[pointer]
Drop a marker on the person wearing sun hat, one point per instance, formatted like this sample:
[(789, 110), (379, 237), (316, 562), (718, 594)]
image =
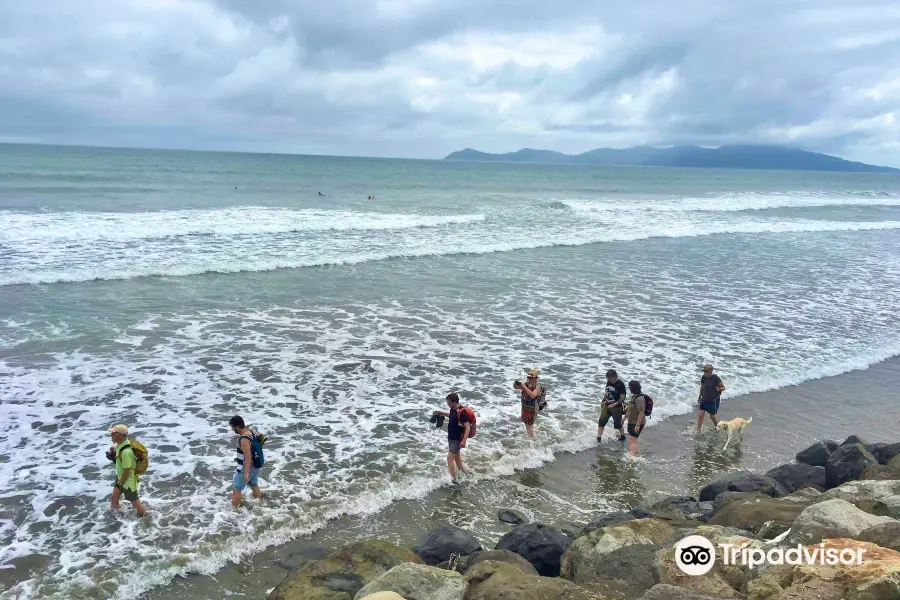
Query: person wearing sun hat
[(126, 474), (531, 392)]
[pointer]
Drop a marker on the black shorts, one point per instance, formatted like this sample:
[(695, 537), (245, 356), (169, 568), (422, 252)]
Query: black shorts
[(130, 495), (606, 412), (632, 432)]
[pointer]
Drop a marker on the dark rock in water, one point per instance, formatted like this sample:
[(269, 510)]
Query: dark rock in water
[(887, 452), (662, 591), (437, 545), (847, 463), (817, 454), (752, 514), (742, 481), (512, 517), (540, 545), (794, 476), (886, 535), (607, 519), (503, 556), (854, 439)]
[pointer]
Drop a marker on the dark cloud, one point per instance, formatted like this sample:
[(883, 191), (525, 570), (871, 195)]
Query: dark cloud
[(424, 77)]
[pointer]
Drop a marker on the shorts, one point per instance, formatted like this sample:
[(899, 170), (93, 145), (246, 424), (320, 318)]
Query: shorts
[(528, 415), (130, 495), (454, 447), (633, 433), (711, 407), (606, 412), (239, 484)]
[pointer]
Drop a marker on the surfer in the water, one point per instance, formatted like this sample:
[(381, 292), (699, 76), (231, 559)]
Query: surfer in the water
[(321, 194)]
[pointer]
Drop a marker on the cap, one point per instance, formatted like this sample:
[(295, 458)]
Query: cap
[(120, 428), (533, 372)]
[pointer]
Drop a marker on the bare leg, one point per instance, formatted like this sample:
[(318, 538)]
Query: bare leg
[(715, 420), (257, 493), (114, 500), (451, 465), (599, 432), (632, 446), (700, 420), (235, 498), (727, 441), (459, 464), (139, 507), (529, 429)]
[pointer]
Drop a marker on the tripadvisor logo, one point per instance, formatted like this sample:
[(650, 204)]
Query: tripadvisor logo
[(695, 555)]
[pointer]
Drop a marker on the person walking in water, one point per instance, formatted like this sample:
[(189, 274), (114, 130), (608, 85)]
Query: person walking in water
[(531, 392), (458, 429), (711, 388), (612, 405), (635, 412), (126, 470), (247, 473)]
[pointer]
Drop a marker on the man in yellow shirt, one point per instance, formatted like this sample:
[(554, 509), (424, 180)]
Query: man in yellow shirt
[(126, 477)]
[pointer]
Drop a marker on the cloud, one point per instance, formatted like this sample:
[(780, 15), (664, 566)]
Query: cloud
[(421, 78)]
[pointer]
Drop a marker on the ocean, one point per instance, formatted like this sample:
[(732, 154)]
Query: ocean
[(170, 290)]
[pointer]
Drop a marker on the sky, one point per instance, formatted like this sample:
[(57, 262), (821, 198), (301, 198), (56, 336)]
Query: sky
[(422, 78)]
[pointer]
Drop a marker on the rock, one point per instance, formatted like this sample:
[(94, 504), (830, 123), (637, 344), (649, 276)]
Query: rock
[(511, 517), (752, 514), (573, 530), (624, 552), (723, 581), (887, 452), (817, 454), (804, 495), (831, 519), (437, 545), (610, 518), (662, 591), (853, 440), (880, 473), (384, 596), (846, 464), (489, 580), (772, 529), (679, 508), (881, 498), (742, 481), (726, 498), (504, 556), (540, 545), (794, 476), (878, 578), (417, 581), (341, 574), (886, 535)]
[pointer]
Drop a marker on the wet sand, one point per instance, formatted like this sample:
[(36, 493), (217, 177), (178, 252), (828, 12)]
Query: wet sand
[(673, 460)]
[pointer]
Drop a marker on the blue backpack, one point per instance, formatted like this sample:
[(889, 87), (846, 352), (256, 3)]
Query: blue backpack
[(256, 449)]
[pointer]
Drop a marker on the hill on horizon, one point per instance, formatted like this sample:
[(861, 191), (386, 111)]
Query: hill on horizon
[(725, 157)]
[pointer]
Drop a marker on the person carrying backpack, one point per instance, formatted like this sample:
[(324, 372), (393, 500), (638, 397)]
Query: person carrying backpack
[(127, 468), (636, 411), (460, 428), (250, 460)]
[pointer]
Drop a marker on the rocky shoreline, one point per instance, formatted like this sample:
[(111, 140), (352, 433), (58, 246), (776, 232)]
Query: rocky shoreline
[(834, 497)]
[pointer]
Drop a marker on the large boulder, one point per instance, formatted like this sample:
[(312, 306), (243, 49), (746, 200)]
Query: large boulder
[(490, 580), (742, 481), (439, 544), (622, 553), (726, 498), (833, 518), (511, 516), (606, 519), (886, 535), (881, 498), (503, 556), (794, 476), (852, 440), (878, 578), (341, 574), (847, 463), (885, 453), (662, 591), (677, 508), (817, 454), (755, 513), (722, 581), (384, 596), (540, 545), (417, 581)]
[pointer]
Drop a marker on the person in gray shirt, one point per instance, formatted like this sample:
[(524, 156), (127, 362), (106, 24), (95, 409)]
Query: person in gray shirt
[(711, 388)]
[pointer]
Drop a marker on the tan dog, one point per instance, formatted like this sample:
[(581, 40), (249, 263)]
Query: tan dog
[(733, 425)]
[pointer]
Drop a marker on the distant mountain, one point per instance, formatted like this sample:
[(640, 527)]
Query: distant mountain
[(725, 157)]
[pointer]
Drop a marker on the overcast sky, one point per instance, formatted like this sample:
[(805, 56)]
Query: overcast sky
[(421, 78)]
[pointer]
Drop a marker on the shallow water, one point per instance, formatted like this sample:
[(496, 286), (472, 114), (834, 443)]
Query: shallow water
[(336, 325)]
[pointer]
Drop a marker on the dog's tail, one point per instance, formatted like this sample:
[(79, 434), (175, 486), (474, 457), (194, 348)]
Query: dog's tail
[(747, 422), (750, 420)]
